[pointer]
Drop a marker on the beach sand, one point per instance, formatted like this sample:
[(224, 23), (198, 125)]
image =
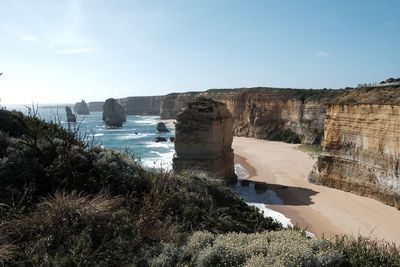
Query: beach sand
[(318, 209)]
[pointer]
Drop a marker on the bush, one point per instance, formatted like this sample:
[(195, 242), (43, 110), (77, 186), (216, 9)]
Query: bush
[(284, 135), (281, 248), (365, 251)]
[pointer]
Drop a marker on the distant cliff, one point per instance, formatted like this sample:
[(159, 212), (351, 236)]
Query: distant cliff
[(291, 115), (142, 105), (362, 144)]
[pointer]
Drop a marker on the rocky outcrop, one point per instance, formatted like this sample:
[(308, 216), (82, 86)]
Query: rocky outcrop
[(203, 139), (291, 115), (113, 113), (162, 128), (81, 108), (70, 116), (362, 144)]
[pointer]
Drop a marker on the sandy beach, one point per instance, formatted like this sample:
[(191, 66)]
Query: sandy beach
[(318, 209)]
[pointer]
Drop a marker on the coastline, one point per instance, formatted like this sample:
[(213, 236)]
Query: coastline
[(321, 210)]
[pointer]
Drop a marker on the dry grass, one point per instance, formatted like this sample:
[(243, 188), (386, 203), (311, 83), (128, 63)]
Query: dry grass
[(6, 253)]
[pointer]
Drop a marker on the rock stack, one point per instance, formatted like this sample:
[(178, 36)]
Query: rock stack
[(113, 113), (70, 116), (81, 108), (204, 139), (162, 128)]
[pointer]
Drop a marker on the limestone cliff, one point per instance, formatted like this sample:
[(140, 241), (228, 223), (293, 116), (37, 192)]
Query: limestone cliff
[(291, 115), (113, 113), (204, 139), (172, 104), (141, 105), (96, 106), (81, 108), (362, 144)]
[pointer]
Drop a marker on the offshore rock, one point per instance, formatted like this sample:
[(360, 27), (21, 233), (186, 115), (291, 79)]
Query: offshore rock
[(162, 128), (203, 139), (70, 116), (362, 144), (81, 108), (113, 113)]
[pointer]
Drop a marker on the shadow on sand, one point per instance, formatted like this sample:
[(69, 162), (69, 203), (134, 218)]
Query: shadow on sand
[(275, 194)]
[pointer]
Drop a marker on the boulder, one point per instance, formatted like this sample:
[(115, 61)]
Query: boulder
[(172, 139), (70, 116), (160, 139), (113, 113), (203, 139), (81, 108), (162, 128)]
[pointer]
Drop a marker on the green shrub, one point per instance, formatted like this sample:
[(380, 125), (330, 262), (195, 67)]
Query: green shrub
[(365, 251), (284, 135), (280, 248)]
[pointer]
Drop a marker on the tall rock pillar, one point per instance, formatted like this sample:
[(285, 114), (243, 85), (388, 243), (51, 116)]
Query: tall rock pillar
[(204, 139)]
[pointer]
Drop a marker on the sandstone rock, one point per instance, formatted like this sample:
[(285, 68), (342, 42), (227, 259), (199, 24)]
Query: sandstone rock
[(161, 127), (362, 145), (113, 113), (204, 138), (70, 116), (265, 113), (160, 139), (82, 108)]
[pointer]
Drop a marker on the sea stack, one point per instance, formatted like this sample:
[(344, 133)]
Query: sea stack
[(162, 128), (70, 116), (113, 113), (204, 139), (81, 108)]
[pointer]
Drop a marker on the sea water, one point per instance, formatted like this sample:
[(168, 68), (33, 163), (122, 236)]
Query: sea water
[(137, 137)]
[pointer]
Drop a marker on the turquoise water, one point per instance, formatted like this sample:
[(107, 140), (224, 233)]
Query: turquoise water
[(136, 135)]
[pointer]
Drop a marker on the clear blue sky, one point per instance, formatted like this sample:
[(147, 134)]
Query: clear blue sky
[(65, 50)]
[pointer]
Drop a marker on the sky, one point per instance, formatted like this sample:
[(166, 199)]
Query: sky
[(61, 51)]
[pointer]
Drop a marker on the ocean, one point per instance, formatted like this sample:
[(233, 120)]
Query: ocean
[(136, 137)]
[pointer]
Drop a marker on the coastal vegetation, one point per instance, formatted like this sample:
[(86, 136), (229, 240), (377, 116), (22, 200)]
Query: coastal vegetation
[(65, 201)]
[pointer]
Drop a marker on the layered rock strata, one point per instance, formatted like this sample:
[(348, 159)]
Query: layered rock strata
[(81, 108), (204, 138), (291, 115), (113, 113), (362, 144)]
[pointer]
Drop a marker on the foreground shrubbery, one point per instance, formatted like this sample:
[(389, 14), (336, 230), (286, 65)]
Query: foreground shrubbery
[(66, 203)]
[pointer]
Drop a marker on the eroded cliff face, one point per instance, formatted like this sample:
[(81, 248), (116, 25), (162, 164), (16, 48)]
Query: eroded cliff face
[(290, 115), (362, 145), (141, 105), (204, 138)]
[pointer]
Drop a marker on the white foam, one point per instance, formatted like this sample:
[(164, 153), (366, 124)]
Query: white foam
[(286, 222), (159, 144), (98, 134), (131, 136), (241, 172)]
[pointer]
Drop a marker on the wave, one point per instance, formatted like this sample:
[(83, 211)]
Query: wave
[(285, 221), (131, 136)]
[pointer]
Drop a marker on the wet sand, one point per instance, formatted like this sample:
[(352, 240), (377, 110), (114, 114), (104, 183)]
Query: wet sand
[(318, 209)]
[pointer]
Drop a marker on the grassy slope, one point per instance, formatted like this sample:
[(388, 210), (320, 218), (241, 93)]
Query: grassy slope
[(66, 203)]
